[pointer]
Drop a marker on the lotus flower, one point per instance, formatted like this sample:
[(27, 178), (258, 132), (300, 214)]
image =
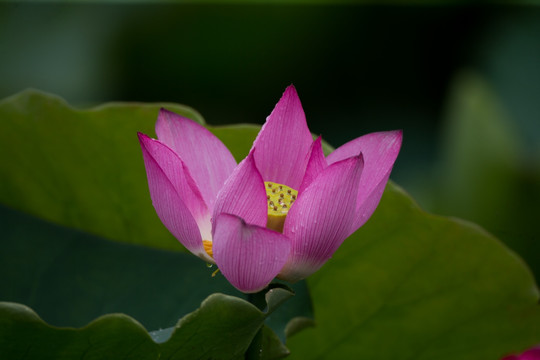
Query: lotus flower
[(283, 211), (531, 354)]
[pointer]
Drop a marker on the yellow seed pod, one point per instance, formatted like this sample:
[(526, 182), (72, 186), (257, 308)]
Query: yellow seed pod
[(280, 199)]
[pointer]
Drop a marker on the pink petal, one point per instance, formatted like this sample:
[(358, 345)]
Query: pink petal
[(249, 256), (243, 194), (209, 161), (320, 219), (283, 142), (316, 164), (175, 197), (531, 354), (380, 151)]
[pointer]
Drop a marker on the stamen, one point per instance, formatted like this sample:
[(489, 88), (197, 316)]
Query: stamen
[(207, 244)]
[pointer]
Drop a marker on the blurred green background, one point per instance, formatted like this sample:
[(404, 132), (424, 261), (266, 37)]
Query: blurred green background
[(463, 82)]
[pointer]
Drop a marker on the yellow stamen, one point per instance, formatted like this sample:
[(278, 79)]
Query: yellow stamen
[(207, 244), (282, 195)]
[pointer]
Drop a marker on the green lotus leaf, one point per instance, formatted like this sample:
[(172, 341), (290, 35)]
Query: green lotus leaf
[(410, 285), (222, 328)]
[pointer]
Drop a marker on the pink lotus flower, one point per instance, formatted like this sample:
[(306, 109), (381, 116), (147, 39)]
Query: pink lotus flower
[(531, 354), (283, 211)]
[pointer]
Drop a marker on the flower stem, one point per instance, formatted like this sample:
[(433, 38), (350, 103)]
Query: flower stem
[(255, 350), (258, 299)]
